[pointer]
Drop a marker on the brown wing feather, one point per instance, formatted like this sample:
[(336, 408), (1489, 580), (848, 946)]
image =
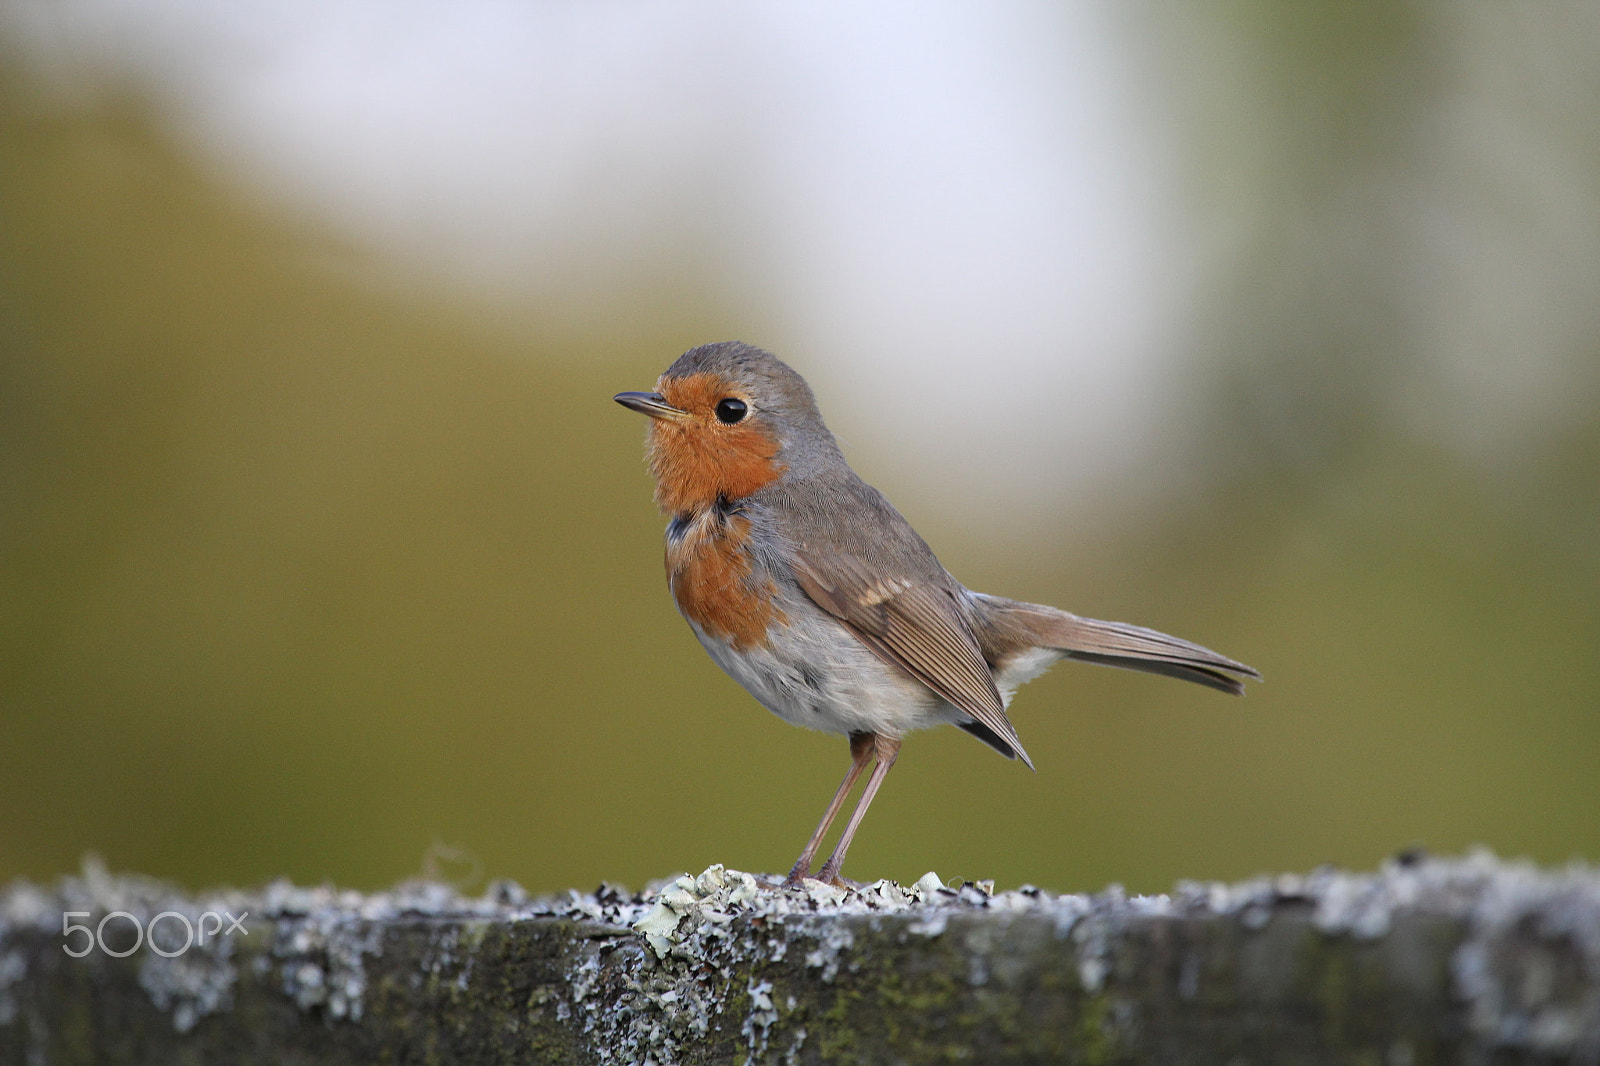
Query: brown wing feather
[(914, 626)]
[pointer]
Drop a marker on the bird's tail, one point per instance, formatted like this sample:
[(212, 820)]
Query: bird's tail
[(1012, 626)]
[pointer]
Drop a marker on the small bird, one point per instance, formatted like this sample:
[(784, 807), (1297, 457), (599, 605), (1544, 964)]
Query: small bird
[(812, 591)]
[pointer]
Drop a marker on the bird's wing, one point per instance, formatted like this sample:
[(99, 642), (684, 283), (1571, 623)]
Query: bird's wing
[(915, 625)]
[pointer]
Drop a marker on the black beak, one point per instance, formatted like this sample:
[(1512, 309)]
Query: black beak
[(650, 403)]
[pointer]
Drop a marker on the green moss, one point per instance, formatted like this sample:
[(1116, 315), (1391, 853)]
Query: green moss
[(1093, 1034), (836, 1035)]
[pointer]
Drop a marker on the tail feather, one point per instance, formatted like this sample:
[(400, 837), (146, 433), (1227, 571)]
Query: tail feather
[(1013, 627)]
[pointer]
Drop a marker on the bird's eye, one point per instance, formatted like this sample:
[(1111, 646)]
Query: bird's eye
[(731, 410)]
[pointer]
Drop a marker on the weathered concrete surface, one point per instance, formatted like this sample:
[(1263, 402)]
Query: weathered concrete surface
[(1426, 961)]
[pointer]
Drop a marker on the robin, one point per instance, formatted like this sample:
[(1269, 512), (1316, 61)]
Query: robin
[(813, 592)]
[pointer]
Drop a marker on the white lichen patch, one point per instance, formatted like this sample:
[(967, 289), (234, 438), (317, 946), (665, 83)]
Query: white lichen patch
[(1506, 979), (706, 935), (320, 943), (323, 937)]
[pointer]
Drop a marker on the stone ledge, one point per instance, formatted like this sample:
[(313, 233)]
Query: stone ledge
[(1427, 960)]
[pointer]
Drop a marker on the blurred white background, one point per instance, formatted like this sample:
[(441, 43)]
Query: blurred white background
[(950, 216)]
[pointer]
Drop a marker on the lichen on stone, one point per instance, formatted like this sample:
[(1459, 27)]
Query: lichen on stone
[(733, 959)]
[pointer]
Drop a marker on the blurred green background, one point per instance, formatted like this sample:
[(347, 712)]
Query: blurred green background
[(314, 562)]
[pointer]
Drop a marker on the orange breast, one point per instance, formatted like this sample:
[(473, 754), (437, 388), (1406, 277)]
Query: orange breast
[(708, 567)]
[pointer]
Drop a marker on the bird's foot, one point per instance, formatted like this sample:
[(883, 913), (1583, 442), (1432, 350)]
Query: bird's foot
[(797, 879), (829, 875), (799, 873)]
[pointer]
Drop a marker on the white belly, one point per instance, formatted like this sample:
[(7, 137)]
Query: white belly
[(823, 678)]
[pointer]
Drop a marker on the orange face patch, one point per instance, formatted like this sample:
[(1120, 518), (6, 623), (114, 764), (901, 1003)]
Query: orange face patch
[(709, 572), (697, 459)]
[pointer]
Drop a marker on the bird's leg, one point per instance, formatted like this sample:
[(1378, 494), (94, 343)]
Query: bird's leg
[(886, 750), (860, 755)]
